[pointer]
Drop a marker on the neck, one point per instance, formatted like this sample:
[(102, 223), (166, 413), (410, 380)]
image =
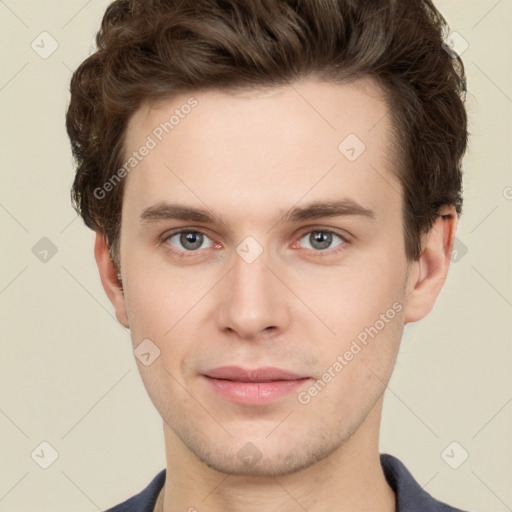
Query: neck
[(350, 478)]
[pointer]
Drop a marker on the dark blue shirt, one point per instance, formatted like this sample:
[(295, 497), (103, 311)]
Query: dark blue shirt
[(410, 496)]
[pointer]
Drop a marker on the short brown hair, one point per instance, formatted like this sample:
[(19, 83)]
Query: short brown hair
[(149, 50)]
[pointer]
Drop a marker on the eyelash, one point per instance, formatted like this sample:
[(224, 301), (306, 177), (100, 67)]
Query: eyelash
[(315, 254)]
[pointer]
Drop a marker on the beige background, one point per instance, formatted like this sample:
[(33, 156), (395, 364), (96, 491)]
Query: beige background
[(67, 373)]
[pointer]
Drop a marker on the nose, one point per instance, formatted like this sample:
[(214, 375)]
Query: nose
[(254, 300)]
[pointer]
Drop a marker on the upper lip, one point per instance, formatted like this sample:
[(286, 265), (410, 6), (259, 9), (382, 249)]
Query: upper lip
[(265, 374)]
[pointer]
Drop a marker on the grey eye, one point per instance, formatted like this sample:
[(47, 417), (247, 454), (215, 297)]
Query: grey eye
[(320, 239), (188, 240)]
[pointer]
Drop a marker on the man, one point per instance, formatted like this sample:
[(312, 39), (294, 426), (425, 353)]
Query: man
[(275, 187)]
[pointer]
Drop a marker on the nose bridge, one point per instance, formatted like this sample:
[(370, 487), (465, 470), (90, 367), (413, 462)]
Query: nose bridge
[(252, 301)]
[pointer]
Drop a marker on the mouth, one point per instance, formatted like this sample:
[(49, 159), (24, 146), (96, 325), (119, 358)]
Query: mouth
[(266, 374), (259, 386)]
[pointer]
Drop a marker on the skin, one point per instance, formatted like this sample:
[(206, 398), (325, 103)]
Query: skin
[(248, 157)]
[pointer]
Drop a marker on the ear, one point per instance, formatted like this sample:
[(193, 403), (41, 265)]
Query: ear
[(109, 278), (431, 269)]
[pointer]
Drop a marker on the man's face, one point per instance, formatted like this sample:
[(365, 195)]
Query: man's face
[(257, 290)]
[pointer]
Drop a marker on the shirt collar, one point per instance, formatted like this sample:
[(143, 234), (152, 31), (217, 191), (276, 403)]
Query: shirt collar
[(410, 496)]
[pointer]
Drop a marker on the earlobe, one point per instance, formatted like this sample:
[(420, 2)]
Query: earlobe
[(432, 267), (110, 278)]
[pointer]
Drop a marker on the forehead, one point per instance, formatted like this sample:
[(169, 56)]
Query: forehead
[(263, 149)]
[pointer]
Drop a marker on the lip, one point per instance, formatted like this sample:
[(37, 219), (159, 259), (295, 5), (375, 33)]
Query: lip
[(265, 374), (258, 386)]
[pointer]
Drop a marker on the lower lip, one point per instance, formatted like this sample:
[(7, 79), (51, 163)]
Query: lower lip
[(254, 393)]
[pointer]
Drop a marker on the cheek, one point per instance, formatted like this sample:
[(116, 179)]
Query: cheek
[(164, 305), (363, 305), (357, 365), (162, 314), (350, 299), (145, 309)]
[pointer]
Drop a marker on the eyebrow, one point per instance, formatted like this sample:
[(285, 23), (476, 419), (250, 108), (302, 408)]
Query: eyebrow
[(315, 210)]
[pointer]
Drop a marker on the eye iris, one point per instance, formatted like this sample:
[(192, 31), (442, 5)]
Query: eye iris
[(323, 240), (194, 239)]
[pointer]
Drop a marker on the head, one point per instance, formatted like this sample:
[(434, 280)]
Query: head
[(264, 114)]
